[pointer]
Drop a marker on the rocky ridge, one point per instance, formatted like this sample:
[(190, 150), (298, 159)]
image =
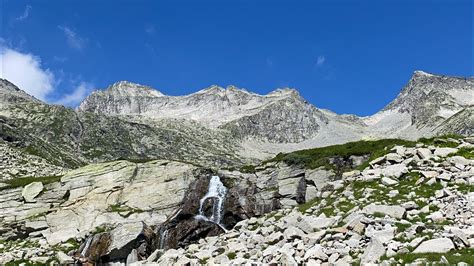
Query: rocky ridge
[(219, 127)]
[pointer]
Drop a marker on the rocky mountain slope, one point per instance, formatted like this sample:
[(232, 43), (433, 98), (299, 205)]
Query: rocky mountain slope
[(426, 104), (385, 203), (219, 127)]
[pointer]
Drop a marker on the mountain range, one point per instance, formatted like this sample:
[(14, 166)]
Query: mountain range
[(218, 126)]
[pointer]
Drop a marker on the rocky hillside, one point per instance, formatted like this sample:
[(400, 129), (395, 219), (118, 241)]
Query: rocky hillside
[(368, 201)]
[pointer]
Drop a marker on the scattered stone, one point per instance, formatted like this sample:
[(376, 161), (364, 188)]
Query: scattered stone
[(393, 211)]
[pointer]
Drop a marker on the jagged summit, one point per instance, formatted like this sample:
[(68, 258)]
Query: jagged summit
[(422, 73), (133, 89), (424, 104)]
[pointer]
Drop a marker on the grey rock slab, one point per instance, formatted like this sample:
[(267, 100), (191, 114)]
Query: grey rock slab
[(319, 177), (460, 160), (31, 191), (438, 245), (394, 157), (293, 232), (444, 151), (396, 170), (373, 252), (388, 181), (424, 153), (392, 211), (429, 174), (315, 252), (64, 258), (122, 236)]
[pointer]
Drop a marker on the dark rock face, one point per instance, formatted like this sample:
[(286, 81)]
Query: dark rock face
[(117, 244), (185, 229), (94, 249)]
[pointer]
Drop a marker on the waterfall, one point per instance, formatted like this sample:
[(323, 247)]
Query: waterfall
[(163, 234), (216, 192), (86, 247)]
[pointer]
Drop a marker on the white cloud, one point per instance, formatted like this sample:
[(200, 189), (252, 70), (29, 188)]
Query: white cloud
[(73, 39), (25, 71), (76, 96), (25, 14), (320, 61)]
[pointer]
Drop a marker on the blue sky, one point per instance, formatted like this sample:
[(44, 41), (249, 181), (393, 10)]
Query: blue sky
[(347, 56)]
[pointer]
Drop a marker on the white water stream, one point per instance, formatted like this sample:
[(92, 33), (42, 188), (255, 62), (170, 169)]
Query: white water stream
[(216, 192)]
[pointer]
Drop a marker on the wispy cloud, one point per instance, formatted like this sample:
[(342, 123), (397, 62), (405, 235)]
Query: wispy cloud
[(150, 30), (321, 60), (25, 15), (25, 71), (269, 62), (77, 95), (73, 39)]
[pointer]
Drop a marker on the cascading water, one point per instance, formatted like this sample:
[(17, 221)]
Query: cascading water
[(216, 192), (86, 247), (163, 235)]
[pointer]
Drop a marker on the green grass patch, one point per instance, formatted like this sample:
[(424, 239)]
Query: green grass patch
[(442, 141), (23, 181), (464, 188), (305, 206), (231, 255), (123, 210), (275, 215), (70, 244), (454, 256), (402, 227), (314, 158), (407, 184), (247, 169), (467, 153), (379, 214)]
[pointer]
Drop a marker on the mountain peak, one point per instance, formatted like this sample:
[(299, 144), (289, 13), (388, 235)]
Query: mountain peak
[(216, 89), (420, 73), (284, 91), (133, 89)]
